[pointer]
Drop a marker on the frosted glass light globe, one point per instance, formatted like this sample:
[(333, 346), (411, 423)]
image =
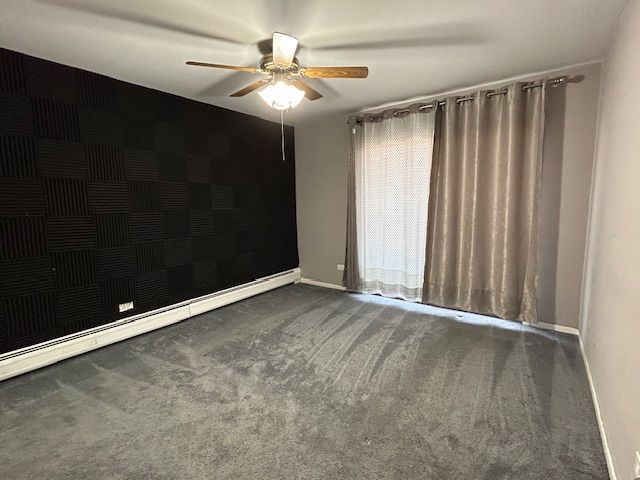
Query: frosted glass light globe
[(281, 95)]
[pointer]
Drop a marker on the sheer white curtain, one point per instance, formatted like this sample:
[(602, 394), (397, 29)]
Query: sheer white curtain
[(392, 174)]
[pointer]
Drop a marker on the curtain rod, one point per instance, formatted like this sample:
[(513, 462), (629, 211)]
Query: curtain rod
[(552, 82)]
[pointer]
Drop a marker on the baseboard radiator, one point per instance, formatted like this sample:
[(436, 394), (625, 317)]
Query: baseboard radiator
[(43, 354)]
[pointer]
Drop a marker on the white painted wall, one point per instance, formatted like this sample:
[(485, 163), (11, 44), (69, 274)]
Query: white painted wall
[(571, 119), (610, 323), (322, 149)]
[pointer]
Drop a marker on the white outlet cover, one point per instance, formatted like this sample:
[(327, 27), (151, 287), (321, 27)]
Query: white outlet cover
[(636, 466), (123, 307), (340, 267)]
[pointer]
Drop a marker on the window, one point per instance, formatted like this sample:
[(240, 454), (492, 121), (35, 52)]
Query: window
[(393, 169)]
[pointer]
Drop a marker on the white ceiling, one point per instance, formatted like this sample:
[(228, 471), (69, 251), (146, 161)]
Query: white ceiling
[(412, 48)]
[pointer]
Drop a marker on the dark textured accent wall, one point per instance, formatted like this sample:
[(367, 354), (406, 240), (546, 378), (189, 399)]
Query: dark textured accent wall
[(112, 192)]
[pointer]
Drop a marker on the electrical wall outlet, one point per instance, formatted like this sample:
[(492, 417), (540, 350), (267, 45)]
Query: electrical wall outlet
[(340, 267), (636, 466), (123, 307)]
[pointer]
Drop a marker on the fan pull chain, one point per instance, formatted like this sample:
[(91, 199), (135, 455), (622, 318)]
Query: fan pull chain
[(282, 132)]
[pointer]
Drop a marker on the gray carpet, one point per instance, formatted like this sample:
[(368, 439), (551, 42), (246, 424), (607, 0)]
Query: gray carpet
[(309, 383)]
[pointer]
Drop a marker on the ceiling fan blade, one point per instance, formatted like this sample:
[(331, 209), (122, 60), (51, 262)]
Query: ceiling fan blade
[(334, 72), (309, 92), (228, 67), (284, 48), (250, 88)]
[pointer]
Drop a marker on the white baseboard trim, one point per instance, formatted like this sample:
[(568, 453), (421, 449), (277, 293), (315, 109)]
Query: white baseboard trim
[(555, 328), (211, 302), (592, 389), (317, 283), (596, 405), (38, 356)]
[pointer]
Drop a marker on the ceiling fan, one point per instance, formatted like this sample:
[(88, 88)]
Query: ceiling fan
[(282, 87)]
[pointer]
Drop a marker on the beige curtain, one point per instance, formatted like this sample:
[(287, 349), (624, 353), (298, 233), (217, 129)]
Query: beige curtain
[(350, 276), (483, 207)]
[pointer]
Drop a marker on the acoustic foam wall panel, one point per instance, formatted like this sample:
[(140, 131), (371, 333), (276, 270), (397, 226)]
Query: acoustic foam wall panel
[(111, 192)]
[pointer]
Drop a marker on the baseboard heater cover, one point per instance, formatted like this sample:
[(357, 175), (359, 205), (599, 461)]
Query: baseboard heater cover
[(37, 356)]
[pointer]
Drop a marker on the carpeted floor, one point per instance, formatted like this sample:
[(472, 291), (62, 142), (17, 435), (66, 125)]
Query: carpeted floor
[(309, 383)]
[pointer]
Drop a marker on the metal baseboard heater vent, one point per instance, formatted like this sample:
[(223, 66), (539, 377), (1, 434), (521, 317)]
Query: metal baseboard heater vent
[(43, 354)]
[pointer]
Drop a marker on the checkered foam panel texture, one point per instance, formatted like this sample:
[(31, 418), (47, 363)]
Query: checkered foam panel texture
[(111, 192)]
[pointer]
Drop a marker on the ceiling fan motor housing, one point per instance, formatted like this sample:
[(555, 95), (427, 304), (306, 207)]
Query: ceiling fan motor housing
[(267, 64)]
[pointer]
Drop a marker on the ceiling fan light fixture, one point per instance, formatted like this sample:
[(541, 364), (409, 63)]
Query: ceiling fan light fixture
[(281, 95), (283, 86)]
